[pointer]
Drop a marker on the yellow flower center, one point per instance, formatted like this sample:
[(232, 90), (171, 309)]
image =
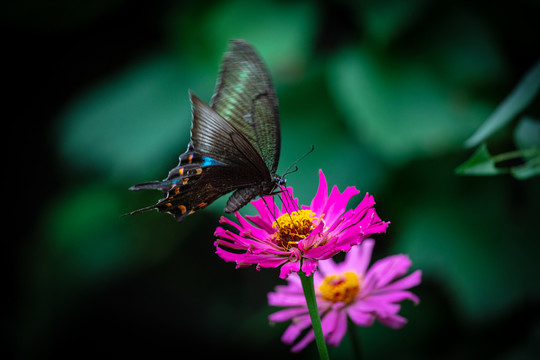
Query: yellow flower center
[(341, 287), (293, 227)]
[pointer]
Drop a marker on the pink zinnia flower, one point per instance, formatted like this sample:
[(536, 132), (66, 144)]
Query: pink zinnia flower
[(348, 289), (296, 239)]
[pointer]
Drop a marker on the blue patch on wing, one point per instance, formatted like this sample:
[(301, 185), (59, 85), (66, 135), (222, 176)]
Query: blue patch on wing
[(206, 161)]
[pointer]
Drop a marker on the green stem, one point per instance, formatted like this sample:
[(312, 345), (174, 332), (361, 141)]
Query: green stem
[(516, 154), (355, 340), (309, 293)]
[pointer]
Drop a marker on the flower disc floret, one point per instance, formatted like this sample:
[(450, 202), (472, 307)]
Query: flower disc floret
[(340, 287), (293, 227)]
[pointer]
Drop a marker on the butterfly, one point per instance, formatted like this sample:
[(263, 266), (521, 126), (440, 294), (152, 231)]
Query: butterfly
[(235, 141)]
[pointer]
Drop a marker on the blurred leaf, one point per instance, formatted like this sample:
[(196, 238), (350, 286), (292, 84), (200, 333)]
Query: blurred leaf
[(282, 32), (308, 118), (527, 133), (512, 105), (528, 170), (527, 138), (292, 24), (465, 50), (480, 163), (132, 124), (399, 108), (385, 20)]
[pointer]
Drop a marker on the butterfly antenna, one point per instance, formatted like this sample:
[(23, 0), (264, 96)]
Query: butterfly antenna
[(288, 171)]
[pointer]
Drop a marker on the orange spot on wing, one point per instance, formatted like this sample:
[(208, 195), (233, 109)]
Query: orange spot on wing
[(182, 208)]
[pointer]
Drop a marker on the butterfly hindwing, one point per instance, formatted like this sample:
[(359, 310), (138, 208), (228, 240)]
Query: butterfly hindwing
[(197, 193), (195, 183)]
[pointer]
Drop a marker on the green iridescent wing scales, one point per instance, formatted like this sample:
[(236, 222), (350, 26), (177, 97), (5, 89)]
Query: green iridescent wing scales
[(245, 97)]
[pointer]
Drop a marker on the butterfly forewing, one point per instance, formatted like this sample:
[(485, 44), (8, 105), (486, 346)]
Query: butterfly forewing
[(216, 138), (245, 97)]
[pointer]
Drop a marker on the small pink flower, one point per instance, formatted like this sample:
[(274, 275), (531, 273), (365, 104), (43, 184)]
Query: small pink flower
[(348, 289), (296, 239)]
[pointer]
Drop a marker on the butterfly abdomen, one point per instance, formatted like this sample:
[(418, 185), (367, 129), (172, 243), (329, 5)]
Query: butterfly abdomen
[(243, 196)]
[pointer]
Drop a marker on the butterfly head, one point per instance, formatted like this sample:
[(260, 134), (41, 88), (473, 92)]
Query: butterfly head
[(279, 180)]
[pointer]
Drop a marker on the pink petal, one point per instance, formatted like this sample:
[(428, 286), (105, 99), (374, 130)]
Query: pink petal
[(319, 201), (310, 336), (288, 268), (337, 202), (387, 269), (294, 330), (339, 329), (265, 219), (406, 282), (309, 266), (393, 321), (293, 287), (394, 297), (262, 222), (290, 203), (247, 229), (359, 316), (358, 258), (286, 299), (382, 309), (287, 314), (328, 267)]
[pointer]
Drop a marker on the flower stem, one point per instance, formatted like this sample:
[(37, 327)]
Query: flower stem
[(309, 293), (355, 340)]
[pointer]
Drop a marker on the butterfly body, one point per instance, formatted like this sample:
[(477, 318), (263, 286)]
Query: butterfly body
[(235, 142)]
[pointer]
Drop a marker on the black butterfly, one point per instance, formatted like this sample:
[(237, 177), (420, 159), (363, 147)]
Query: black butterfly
[(235, 142)]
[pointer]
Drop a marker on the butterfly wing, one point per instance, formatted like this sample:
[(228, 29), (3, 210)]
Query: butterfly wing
[(218, 139), (235, 142), (195, 183), (218, 160), (245, 97)]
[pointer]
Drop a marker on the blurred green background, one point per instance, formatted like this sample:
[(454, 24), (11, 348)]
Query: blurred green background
[(386, 91)]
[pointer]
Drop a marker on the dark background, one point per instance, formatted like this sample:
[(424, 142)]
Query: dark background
[(386, 91)]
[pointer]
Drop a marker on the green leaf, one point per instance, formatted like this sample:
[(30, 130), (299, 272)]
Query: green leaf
[(527, 133), (399, 108), (282, 32), (514, 103), (132, 125), (480, 163), (528, 170), (385, 20)]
